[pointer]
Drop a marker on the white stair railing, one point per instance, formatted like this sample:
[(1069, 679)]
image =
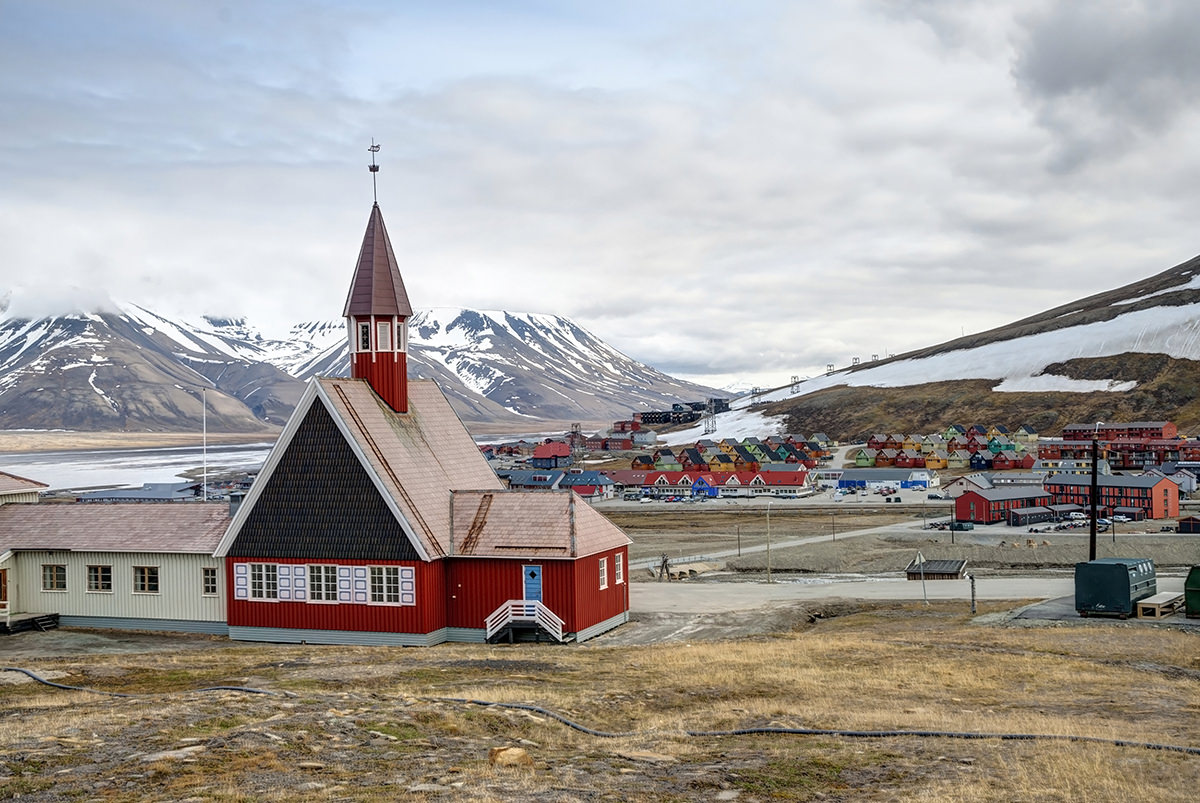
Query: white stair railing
[(524, 610)]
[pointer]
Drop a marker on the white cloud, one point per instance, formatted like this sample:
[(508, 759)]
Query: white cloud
[(724, 192)]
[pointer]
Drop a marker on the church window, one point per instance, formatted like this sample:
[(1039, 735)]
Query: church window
[(364, 337)]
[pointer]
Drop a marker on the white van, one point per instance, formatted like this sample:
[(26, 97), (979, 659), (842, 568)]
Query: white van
[(1076, 515)]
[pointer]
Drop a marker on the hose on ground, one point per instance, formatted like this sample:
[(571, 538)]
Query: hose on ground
[(44, 681), (853, 734)]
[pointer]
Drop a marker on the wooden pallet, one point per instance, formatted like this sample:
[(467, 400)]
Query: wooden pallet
[(1159, 605)]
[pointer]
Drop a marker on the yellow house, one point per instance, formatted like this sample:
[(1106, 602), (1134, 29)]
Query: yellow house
[(936, 459)]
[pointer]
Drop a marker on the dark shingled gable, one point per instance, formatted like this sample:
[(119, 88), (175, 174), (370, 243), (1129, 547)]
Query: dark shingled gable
[(320, 504)]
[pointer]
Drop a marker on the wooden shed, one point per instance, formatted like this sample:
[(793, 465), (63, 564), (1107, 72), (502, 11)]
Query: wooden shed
[(936, 569)]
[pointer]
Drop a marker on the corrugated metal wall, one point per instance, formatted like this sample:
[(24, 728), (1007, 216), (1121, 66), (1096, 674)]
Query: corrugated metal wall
[(593, 604), (478, 586), (428, 615), (180, 582)]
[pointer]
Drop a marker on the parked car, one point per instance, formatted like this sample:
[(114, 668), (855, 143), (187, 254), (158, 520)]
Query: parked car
[(962, 525), (934, 496), (1121, 519), (1076, 515)]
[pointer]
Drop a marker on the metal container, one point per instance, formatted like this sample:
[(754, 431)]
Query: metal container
[(1191, 593), (1113, 586)]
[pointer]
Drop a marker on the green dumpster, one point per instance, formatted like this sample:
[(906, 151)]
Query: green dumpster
[(1113, 586), (1191, 593)]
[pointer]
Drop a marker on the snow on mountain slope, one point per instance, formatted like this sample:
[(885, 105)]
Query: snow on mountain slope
[(1160, 315), (135, 369)]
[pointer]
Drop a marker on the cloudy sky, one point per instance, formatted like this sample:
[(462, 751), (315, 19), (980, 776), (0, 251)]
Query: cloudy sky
[(731, 192)]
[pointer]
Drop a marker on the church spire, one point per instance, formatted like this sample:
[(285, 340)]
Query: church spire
[(377, 311)]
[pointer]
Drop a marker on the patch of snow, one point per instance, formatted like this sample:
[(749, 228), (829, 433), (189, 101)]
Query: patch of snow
[(1052, 382), (1174, 331), (1194, 284)]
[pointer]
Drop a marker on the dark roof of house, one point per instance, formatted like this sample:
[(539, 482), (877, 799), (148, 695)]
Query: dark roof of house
[(149, 492), (377, 288), (1107, 480), (937, 566), (535, 478), (1011, 492), (573, 478)]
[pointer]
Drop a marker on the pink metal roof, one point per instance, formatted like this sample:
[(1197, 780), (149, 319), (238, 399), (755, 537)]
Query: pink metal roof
[(419, 456), (11, 483), (519, 524), (189, 527), (377, 288)]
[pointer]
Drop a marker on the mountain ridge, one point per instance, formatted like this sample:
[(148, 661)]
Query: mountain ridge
[(133, 369), (1124, 354)]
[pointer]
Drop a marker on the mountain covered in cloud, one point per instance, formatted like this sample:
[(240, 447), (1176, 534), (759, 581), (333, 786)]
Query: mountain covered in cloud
[(133, 369), (1128, 354)]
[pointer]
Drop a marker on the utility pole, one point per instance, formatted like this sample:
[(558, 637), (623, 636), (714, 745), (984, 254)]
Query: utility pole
[(1095, 489), (769, 580)]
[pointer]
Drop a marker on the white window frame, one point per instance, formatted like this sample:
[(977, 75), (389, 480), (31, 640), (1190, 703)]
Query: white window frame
[(205, 573), (53, 586), (385, 585), (604, 572), (364, 328), (147, 576), (322, 583), (619, 568), (383, 335), (100, 578), (264, 582)]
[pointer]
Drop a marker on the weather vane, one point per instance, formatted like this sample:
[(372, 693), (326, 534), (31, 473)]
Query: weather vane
[(374, 168)]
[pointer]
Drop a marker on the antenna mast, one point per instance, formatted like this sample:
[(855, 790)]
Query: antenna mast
[(374, 168)]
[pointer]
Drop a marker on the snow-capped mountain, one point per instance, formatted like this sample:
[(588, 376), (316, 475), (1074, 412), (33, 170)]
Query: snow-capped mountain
[(132, 369), (1127, 354)]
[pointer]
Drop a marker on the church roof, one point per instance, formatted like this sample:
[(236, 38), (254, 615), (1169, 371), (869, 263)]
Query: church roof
[(524, 524), (377, 288), (418, 456)]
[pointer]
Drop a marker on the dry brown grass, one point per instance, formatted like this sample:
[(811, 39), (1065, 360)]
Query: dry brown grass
[(374, 721)]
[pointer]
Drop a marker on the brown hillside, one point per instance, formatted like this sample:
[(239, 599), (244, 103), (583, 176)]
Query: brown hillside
[(1167, 389)]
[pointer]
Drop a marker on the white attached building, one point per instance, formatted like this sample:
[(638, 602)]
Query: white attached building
[(135, 567)]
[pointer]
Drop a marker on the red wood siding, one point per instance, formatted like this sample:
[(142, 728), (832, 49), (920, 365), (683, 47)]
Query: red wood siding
[(477, 586), (426, 616), (387, 373), (592, 603), (570, 588)]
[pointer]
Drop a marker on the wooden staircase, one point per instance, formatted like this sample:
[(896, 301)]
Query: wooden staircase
[(523, 620), (21, 622)]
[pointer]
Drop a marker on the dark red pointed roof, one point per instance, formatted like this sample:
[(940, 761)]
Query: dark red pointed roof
[(377, 288)]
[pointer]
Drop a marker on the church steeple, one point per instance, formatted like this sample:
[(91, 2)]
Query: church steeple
[(377, 311)]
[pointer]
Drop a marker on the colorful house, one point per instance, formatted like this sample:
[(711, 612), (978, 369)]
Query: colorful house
[(554, 454), (376, 521)]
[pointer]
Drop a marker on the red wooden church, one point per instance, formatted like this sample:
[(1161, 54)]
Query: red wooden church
[(376, 520)]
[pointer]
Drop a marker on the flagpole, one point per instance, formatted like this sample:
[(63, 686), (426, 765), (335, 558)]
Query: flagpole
[(204, 419)]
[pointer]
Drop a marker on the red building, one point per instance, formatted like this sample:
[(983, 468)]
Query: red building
[(1136, 430), (988, 506), (376, 520), (1157, 496)]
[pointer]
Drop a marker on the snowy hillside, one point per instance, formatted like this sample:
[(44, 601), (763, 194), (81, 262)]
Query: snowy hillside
[(1156, 316), (135, 369)]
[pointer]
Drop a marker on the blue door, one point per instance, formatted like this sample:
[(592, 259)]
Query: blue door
[(533, 582)]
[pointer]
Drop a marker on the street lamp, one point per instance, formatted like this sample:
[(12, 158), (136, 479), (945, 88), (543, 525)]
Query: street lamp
[(769, 501)]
